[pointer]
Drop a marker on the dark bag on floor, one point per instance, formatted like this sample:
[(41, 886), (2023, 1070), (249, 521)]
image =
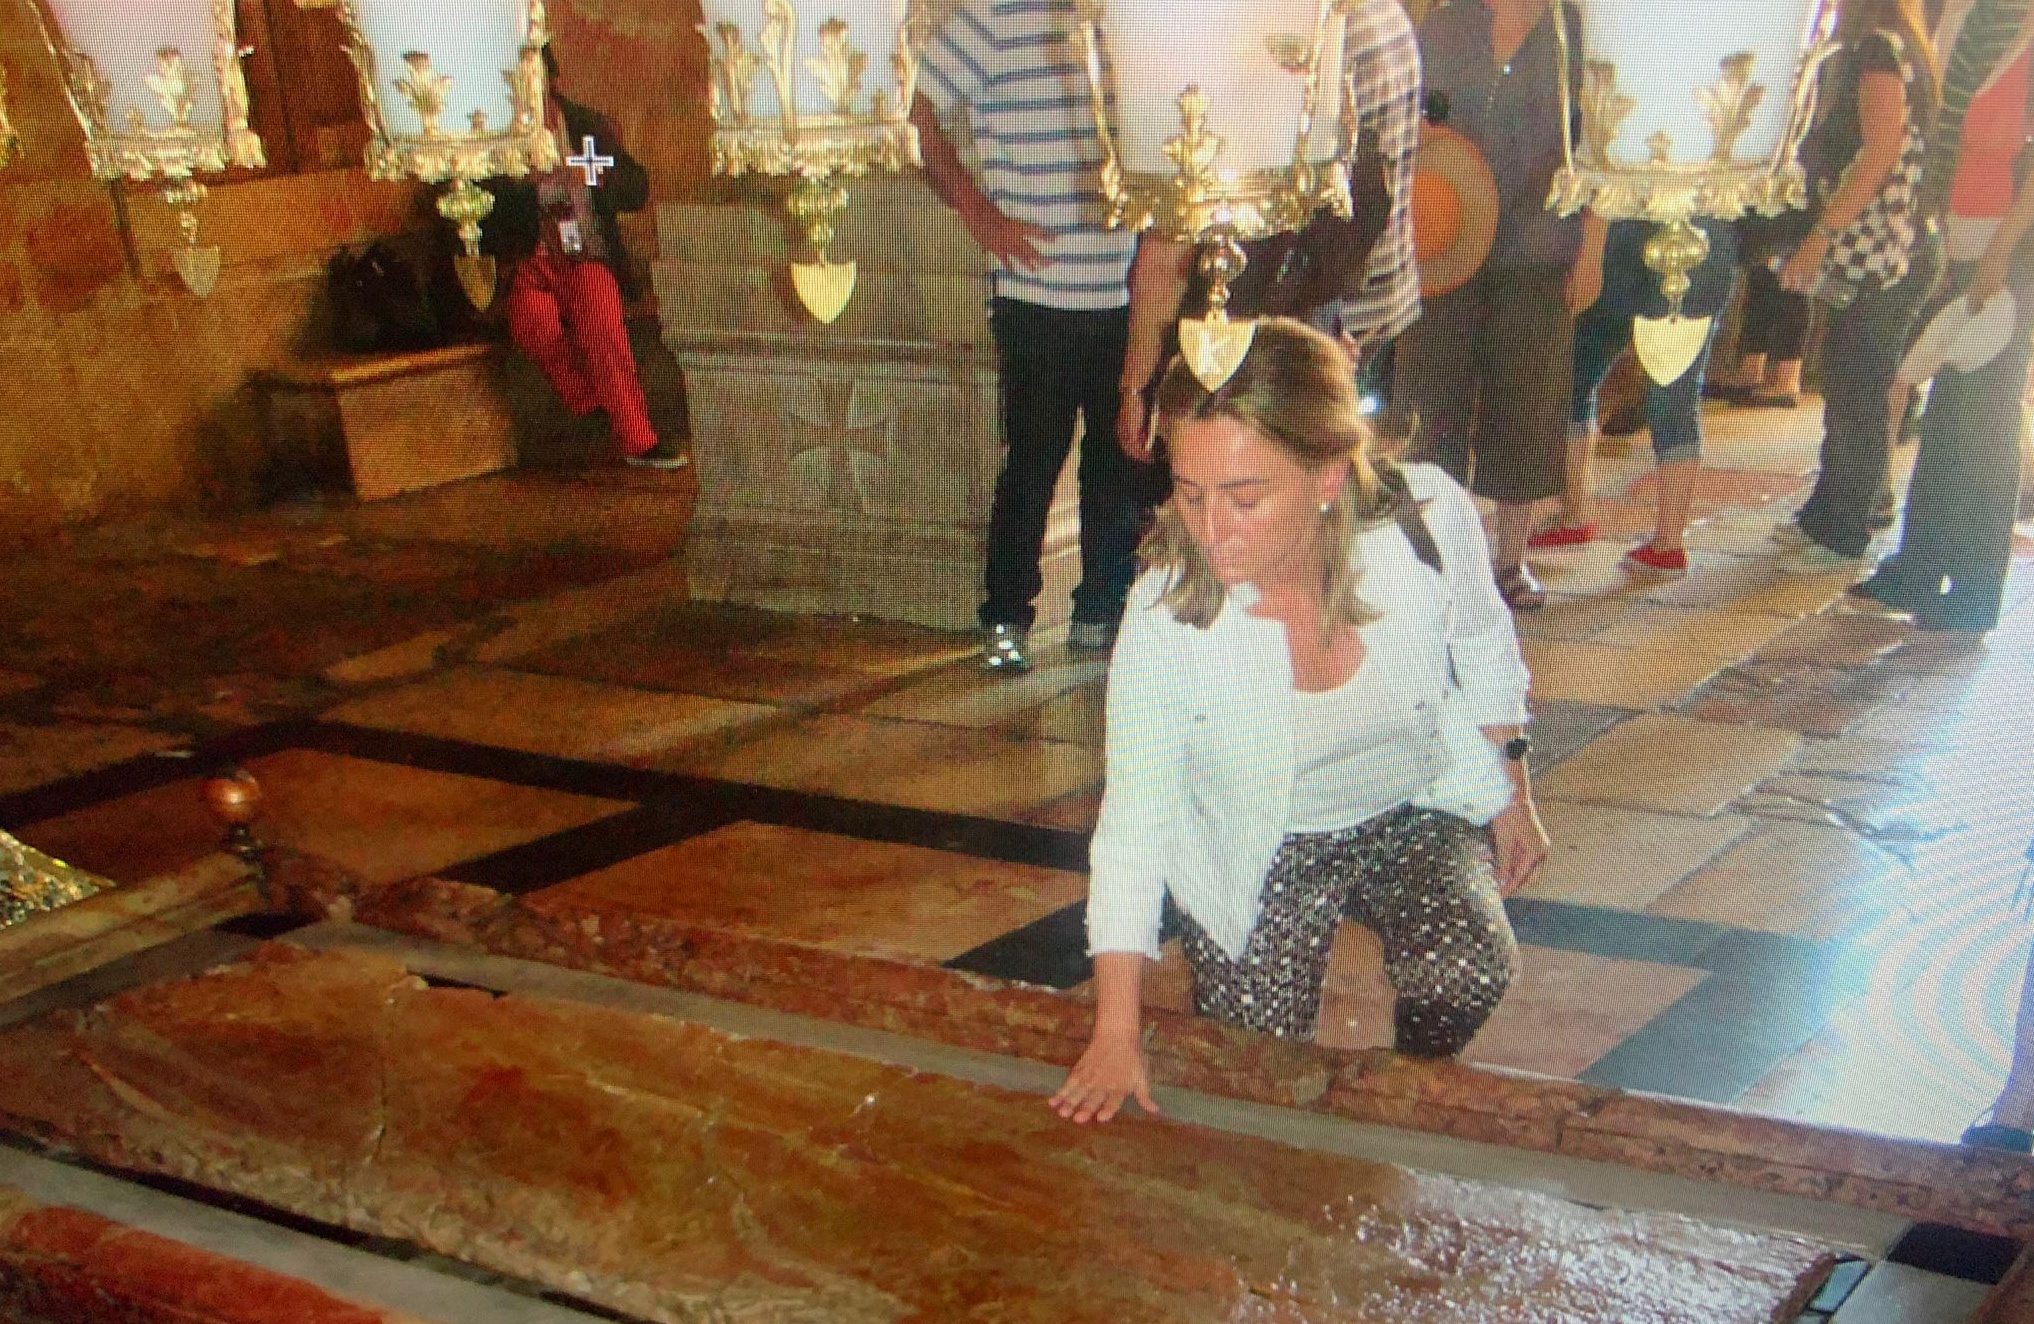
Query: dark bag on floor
[(380, 304)]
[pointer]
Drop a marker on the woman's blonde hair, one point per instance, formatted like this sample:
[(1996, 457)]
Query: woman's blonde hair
[(1297, 389)]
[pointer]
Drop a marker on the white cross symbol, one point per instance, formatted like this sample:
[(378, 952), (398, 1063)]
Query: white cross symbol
[(591, 162)]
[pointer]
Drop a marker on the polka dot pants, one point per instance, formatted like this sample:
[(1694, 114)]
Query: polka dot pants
[(1422, 881)]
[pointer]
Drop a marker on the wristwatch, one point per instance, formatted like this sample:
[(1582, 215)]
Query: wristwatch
[(1518, 747)]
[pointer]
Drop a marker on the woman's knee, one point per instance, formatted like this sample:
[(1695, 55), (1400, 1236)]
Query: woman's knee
[(1436, 1015)]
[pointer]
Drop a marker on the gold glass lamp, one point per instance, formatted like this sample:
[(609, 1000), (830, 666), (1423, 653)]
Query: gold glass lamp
[(1220, 124), (820, 95), (157, 86), (1689, 111), (453, 90)]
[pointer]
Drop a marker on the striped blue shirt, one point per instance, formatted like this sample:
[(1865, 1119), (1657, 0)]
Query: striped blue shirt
[(1014, 69)]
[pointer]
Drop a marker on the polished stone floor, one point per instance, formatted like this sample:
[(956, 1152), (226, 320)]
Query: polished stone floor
[(1787, 835)]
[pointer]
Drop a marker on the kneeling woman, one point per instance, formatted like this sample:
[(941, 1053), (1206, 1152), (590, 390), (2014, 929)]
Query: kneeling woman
[(1314, 711)]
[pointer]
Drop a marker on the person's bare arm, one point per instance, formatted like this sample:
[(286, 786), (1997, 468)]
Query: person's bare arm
[(1012, 243), (1882, 118), (1112, 1069), (1992, 268), (1585, 278), (1158, 284)]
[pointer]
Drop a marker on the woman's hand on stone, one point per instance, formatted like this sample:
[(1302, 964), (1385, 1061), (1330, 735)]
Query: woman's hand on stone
[(1111, 1071), (1520, 842)]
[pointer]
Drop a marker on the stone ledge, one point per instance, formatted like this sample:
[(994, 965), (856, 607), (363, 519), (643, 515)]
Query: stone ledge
[(1981, 1190), (80, 937), (60, 1263)]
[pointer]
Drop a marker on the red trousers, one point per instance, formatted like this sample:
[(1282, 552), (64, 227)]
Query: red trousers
[(567, 316)]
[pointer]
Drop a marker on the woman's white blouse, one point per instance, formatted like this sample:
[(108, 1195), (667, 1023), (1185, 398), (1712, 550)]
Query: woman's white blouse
[(1203, 754)]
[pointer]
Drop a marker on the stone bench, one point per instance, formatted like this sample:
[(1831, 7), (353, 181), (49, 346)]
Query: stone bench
[(382, 424)]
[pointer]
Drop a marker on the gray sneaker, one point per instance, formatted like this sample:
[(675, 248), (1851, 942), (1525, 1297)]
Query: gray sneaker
[(1090, 636), (664, 455), (1004, 649)]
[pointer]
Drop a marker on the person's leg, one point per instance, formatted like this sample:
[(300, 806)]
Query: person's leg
[(1110, 515), (538, 330), (1971, 494), (592, 306), (2014, 1108), (1428, 890), (1433, 396), (1276, 987), (1788, 316), (1039, 406), (1860, 357), (1525, 362), (1601, 333), (1674, 411)]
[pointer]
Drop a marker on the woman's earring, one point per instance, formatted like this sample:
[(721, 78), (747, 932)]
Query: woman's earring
[(1325, 506)]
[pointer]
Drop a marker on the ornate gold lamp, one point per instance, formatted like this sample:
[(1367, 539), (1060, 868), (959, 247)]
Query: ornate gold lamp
[(32, 883), (158, 87), (1687, 112), (452, 91), (1219, 130), (823, 96)]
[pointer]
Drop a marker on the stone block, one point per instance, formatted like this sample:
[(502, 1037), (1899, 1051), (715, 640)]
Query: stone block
[(671, 1171), (390, 423), (845, 468), (59, 1263)]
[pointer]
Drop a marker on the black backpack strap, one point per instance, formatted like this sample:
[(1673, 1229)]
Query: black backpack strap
[(1405, 508)]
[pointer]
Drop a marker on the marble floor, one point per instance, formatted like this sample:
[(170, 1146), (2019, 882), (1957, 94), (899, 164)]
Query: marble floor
[(1787, 834)]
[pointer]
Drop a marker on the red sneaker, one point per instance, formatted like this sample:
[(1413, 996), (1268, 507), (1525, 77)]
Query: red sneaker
[(1563, 535), (1651, 560)]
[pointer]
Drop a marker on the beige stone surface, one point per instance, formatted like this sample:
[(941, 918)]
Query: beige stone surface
[(35, 755), (552, 715), (854, 896), (403, 661), (1723, 635), (1614, 677), (1671, 764), (1566, 1009), (1623, 859), (955, 769), (1794, 878), (965, 695), (380, 821)]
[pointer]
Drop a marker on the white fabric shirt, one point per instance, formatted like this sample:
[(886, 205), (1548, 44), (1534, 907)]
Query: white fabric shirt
[(1201, 739), (1355, 754), (1012, 68)]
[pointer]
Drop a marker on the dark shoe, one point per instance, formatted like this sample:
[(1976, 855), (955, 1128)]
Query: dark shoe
[(1886, 589), (1990, 1135), (1520, 591), (664, 455), (1946, 615), (1091, 636), (1770, 400), (1005, 649)]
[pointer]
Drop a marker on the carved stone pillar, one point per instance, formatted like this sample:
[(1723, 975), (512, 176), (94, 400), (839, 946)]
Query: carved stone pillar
[(844, 469)]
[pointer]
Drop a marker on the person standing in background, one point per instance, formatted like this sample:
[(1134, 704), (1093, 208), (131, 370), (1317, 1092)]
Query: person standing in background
[(1060, 309), (1486, 371), (1956, 543), (1873, 257), (1613, 262)]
